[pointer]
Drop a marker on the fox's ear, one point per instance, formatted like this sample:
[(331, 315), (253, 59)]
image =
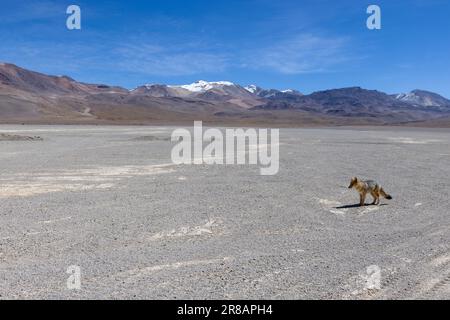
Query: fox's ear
[(355, 179)]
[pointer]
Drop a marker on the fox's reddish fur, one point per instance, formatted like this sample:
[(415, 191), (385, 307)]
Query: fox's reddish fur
[(366, 187)]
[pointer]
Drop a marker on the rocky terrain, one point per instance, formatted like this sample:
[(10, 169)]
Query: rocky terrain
[(109, 200), (14, 137)]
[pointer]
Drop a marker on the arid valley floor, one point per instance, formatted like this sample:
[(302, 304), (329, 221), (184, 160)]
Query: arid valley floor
[(109, 200)]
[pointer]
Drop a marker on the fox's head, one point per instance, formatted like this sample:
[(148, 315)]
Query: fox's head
[(353, 182)]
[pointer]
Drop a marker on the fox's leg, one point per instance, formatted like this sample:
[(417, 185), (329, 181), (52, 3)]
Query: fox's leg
[(375, 197), (378, 195), (362, 198)]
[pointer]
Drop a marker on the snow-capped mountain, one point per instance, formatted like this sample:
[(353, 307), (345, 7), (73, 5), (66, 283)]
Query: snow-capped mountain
[(271, 93), (223, 91), (253, 89), (422, 98), (154, 90), (187, 89), (202, 86)]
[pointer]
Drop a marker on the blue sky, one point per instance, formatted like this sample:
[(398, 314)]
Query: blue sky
[(305, 45)]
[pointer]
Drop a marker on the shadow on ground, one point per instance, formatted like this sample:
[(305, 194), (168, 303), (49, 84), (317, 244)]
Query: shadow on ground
[(349, 206)]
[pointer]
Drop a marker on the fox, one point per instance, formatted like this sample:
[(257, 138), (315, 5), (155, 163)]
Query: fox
[(368, 186)]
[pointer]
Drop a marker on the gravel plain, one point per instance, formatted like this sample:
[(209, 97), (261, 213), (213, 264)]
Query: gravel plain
[(110, 200)]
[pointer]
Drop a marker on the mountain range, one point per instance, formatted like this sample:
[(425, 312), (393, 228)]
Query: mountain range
[(31, 97)]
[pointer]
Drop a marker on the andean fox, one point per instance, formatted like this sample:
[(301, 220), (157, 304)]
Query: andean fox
[(368, 187)]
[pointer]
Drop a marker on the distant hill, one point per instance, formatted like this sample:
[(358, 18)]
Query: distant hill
[(422, 98), (31, 97), (356, 102)]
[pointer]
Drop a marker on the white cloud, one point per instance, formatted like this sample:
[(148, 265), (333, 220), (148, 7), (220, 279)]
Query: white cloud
[(170, 60), (23, 12), (301, 54), (177, 57)]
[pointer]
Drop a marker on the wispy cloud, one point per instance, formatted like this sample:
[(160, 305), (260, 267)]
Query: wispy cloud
[(134, 56), (170, 60), (301, 54), (162, 45), (297, 55), (22, 12)]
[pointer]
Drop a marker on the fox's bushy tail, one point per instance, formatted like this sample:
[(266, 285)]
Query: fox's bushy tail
[(384, 194)]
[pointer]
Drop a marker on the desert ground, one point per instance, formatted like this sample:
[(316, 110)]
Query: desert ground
[(109, 200)]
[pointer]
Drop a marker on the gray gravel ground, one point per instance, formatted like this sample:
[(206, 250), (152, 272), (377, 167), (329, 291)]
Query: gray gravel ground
[(108, 200)]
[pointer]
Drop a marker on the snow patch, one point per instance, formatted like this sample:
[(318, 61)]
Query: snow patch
[(407, 140), (32, 189), (441, 260), (55, 220), (331, 205), (369, 209), (139, 272), (202, 86), (97, 178), (251, 88), (186, 231)]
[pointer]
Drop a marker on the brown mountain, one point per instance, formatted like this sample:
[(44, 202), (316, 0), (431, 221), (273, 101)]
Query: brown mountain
[(356, 102), (15, 78), (32, 97)]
